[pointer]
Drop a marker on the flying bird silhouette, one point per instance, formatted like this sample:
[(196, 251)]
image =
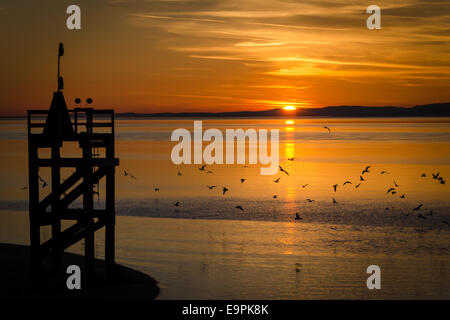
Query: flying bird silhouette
[(383, 172), (418, 207), (335, 187), (179, 173), (202, 168), (361, 178), (282, 170), (211, 187), (390, 189), (44, 183), (366, 170), (305, 185), (357, 186), (402, 196), (297, 217), (346, 182), (224, 190), (277, 180), (156, 189), (240, 208), (291, 159), (275, 196), (329, 130), (242, 180), (309, 200), (126, 173), (396, 184), (177, 204), (423, 175), (334, 200)]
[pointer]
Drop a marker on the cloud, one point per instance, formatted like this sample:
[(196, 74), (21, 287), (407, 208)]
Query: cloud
[(279, 87), (420, 9), (175, 18), (313, 39), (255, 44)]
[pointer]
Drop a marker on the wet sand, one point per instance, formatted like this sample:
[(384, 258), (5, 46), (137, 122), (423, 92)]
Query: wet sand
[(225, 259)]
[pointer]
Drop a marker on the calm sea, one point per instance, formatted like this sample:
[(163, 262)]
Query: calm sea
[(205, 248), (403, 149)]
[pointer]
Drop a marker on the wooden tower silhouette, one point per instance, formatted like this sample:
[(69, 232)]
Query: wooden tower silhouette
[(93, 130)]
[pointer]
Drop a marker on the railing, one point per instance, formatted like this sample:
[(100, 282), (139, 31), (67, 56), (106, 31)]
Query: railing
[(87, 118)]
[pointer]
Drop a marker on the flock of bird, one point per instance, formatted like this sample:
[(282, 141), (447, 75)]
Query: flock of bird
[(391, 190)]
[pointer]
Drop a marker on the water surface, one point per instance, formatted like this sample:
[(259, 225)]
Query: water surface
[(206, 248)]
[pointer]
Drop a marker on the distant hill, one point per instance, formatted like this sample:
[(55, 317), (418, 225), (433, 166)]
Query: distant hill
[(427, 110)]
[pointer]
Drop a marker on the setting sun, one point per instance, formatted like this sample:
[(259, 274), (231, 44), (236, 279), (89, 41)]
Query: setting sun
[(289, 108)]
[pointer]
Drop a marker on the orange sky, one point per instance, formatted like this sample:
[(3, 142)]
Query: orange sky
[(225, 55)]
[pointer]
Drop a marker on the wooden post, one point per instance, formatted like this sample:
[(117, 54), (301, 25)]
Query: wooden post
[(88, 207), (33, 192), (110, 211), (56, 220)]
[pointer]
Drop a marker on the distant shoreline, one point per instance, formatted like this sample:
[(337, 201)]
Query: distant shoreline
[(427, 110)]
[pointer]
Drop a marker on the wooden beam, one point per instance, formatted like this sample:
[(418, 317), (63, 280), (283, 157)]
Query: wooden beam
[(77, 162), (46, 218), (67, 233), (78, 190), (57, 193), (72, 238)]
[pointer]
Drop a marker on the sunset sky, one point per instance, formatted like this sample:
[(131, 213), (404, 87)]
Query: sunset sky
[(225, 55)]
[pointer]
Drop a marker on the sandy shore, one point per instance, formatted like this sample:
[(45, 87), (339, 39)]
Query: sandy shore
[(17, 283)]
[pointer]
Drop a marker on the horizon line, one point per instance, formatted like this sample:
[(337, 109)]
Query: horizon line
[(255, 112)]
